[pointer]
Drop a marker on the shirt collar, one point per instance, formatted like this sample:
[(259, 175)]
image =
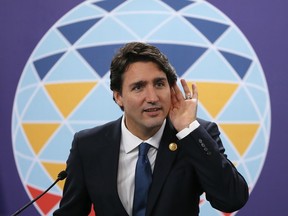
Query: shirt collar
[(130, 141)]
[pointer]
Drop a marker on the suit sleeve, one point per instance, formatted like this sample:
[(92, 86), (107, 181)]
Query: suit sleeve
[(75, 200), (224, 186)]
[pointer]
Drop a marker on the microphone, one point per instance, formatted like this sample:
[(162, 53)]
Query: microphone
[(61, 176)]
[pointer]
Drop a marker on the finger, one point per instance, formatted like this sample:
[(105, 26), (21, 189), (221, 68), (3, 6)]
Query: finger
[(178, 93), (194, 91)]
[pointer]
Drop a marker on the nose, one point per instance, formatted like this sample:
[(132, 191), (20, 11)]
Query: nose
[(151, 95)]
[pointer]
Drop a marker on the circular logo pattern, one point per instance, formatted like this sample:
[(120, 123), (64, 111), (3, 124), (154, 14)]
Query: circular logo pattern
[(65, 84)]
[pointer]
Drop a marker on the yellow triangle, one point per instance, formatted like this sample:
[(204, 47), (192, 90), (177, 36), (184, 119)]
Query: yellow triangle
[(67, 96), (241, 135), (214, 96), (38, 134), (54, 169)]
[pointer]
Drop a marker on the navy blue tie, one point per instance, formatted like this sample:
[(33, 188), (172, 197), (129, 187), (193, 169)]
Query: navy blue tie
[(143, 179)]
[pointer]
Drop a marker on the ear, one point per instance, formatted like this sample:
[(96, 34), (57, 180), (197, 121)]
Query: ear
[(118, 98)]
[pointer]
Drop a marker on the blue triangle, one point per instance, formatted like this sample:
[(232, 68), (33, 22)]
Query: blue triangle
[(72, 32), (41, 108), (221, 70), (140, 6), (21, 145), (177, 5), (239, 108), (212, 30), (207, 11), (40, 179), (254, 166), (109, 5), (258, 147), (261, 98), (22, 98), (239, 63), (43, 65), (58, 147), (53, 43), (71, 68), (99, 57), (151, 21), (181, 56), (83, 12), (29, 77), (100, 104), (24, 165)]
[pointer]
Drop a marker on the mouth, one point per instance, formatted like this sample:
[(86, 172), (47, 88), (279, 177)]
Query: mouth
[(152, 112)]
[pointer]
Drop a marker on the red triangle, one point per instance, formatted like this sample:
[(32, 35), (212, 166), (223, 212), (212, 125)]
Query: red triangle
[(46, 202)]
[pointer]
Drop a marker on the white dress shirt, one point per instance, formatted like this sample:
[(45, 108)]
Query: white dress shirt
[(128, 158)]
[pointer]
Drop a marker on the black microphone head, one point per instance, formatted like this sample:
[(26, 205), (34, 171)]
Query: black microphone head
[(62, 175)]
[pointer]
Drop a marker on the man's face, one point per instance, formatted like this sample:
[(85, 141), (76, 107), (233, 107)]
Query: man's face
[(145, 97)]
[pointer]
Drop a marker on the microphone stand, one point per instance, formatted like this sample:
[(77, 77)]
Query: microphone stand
[(61, 176)]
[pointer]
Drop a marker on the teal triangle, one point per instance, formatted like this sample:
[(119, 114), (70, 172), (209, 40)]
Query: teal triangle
[(40, 179), (211, 67), (22, 98), (29, 77), (24, 164), (242, 169), (259, 146), (255, 166), (202, 112), (140, 6), (102, 34), (98, 106), (204, 10), (143, 23), (82, 12), (234, 41), (210, 29), (52, 43), (57, 149), (21, 146), (230, 150), (176, 30), (240, 108), (71, 68), (41, 108), (260, 98), (72, 32), (45, 64), (255, 76), (239, 63)]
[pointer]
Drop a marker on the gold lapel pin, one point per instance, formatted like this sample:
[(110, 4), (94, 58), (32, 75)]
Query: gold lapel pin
[(173, 146)]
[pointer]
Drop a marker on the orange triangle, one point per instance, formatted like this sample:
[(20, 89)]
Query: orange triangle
[(46, 202), (241, 135), (67, 96), (39, 133), (214, 96), (53, 169)]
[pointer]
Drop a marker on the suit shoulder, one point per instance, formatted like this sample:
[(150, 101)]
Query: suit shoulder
[(99, 130)]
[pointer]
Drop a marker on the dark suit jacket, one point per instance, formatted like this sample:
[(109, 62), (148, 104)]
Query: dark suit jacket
[(179, 178)]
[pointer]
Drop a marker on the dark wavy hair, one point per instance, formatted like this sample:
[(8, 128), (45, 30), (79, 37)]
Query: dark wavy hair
[(135, 52)]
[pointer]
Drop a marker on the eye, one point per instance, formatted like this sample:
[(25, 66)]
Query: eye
[(160, 84), (137, 87)]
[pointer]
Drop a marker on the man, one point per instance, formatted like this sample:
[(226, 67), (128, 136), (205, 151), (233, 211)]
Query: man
[(186, 156)]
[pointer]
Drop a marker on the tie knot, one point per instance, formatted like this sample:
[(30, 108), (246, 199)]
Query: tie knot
[(143, 149)]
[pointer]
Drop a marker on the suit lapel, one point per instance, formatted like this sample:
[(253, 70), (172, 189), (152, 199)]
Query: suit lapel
[(164, 161), (111, 160)]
